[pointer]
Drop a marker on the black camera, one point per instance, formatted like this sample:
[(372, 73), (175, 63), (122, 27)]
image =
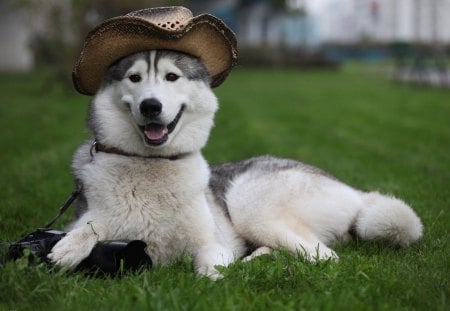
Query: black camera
[(108, 257)]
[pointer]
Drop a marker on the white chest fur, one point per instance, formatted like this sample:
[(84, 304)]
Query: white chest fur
[(159, 201)]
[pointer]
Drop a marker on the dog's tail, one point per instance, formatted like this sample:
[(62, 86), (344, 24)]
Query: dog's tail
[(388, 218)]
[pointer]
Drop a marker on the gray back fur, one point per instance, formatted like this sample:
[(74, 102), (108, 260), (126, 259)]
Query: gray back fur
[(223, 174)]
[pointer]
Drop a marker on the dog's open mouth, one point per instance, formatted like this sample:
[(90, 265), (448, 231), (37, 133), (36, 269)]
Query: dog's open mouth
[(157, 134)]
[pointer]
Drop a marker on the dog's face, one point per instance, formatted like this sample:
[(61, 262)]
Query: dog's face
[(154, 103)]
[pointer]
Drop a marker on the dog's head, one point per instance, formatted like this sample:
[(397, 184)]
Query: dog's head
[(154, 103)]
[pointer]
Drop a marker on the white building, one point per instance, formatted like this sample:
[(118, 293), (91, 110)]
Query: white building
[(340, 21), (349, 21), (21, 24), (15, 37)]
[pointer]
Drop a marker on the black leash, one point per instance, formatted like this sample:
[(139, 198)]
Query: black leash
[(75, 193), (5, 248)]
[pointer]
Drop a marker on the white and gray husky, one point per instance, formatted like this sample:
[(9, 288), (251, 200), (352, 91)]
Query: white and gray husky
[(145, 178)]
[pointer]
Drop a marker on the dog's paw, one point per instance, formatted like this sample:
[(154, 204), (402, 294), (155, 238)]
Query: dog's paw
[(73, 248), (327, 254), (263, 250), (210, 257), (210, 272), (319, 253)]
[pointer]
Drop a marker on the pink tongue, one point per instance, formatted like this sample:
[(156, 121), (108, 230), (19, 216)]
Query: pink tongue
[(155, 131)]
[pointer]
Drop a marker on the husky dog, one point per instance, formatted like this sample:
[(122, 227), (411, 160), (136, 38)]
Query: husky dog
[(144, 178)]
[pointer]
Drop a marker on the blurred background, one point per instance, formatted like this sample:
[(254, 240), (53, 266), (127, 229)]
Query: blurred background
[(412, 36)]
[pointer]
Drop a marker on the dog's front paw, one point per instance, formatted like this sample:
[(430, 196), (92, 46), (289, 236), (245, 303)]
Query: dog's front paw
[(263, 250), (210, 272), (327, 254), (321, 253), (210, 257), (318, 253), (73, 248)]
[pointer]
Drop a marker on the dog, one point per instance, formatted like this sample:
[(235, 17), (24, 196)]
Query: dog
[(144, 177)]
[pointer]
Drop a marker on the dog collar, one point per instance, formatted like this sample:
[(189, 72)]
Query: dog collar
[(98, 147)]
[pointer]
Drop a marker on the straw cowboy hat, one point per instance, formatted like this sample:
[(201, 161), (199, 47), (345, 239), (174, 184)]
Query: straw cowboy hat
[(172, 28)]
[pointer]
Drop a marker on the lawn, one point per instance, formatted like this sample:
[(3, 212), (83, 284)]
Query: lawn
[(359, 126)]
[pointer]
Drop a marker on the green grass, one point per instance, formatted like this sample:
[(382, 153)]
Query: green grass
[(364, 129)]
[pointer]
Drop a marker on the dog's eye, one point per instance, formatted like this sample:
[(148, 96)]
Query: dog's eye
[(172, 77), (135, 78)]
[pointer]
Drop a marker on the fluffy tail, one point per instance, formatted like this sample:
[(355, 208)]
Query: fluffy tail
[(388, 218)]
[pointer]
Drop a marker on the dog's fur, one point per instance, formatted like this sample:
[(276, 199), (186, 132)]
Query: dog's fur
[(150, 181)]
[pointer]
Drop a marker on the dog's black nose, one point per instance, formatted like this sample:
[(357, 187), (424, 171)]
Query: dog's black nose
[(150, 107)]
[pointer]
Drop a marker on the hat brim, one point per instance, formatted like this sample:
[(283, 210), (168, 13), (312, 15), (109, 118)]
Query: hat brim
[(205, 37)]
